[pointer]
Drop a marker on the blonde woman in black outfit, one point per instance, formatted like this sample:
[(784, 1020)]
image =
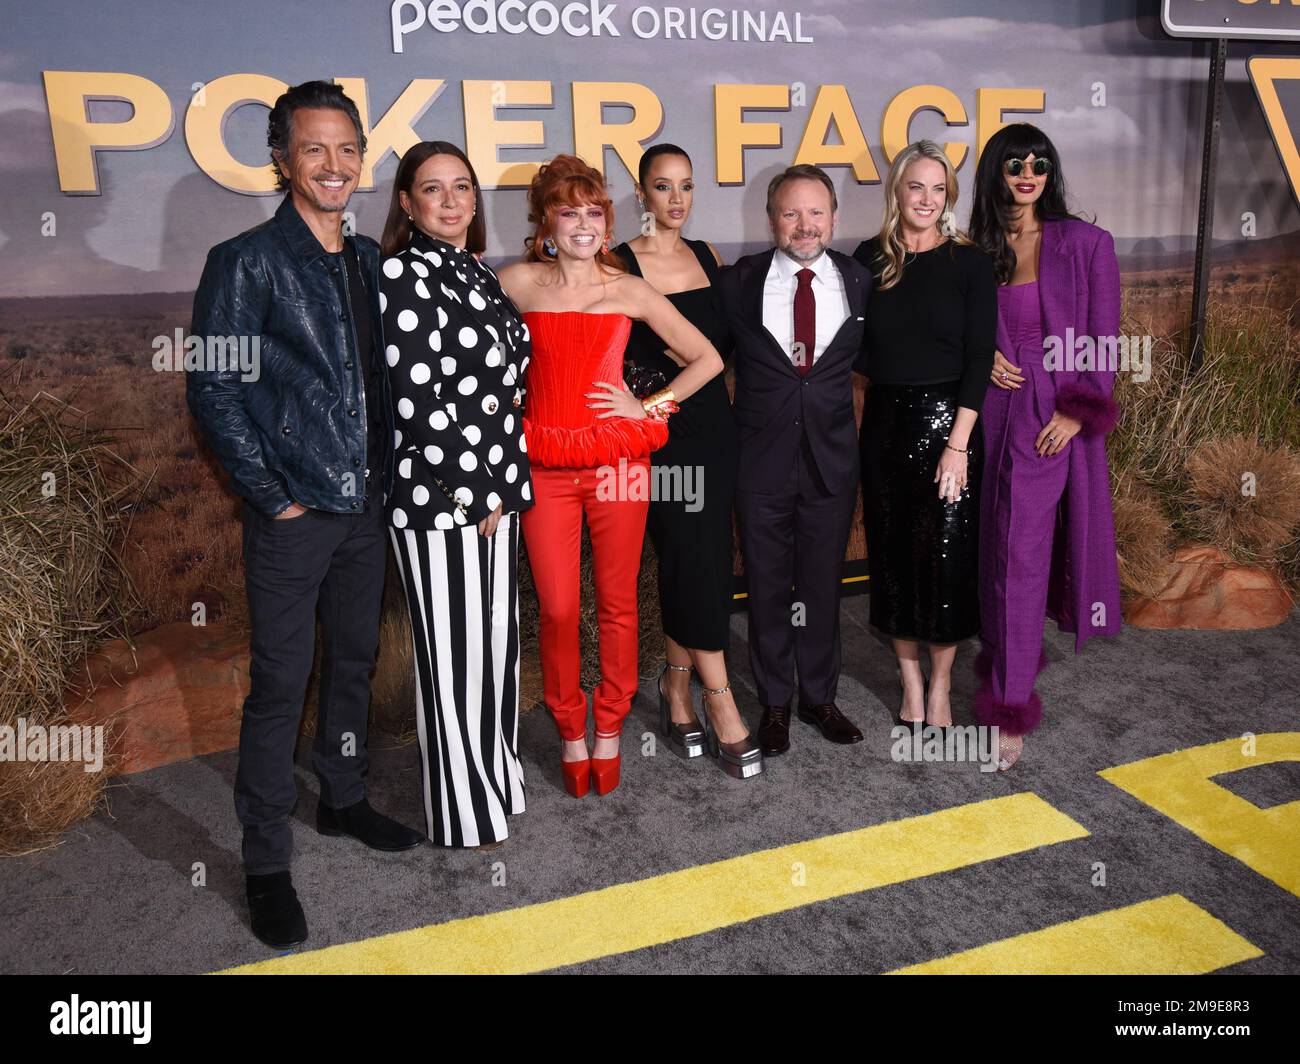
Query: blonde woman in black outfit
[(928, 350), (456, 351), (692, 537)]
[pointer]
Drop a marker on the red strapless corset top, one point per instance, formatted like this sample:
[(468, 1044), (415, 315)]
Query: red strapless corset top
[(571, 351)]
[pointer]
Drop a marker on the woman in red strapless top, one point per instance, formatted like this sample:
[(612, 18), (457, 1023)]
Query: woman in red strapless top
[(571, 351), (589, 440)]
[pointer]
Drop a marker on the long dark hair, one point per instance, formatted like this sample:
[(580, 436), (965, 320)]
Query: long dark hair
[(397, 229), (990, 215)]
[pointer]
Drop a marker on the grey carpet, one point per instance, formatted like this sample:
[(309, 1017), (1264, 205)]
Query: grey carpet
[(117, 895)]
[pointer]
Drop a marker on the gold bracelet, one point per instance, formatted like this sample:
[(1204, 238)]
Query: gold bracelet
[(664, 395), (662, 411)]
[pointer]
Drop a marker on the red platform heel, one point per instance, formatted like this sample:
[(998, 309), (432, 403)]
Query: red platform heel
[(577, 776), (605, 770)]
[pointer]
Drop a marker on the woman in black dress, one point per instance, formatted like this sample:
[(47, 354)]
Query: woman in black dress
[(694, 474), (928, 345)]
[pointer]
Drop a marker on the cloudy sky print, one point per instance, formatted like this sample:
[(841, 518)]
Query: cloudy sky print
[(1131, 162)]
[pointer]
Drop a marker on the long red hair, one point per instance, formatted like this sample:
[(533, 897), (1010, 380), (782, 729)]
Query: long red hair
[(566, 181)]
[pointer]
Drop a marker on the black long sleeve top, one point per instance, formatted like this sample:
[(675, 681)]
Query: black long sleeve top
[(937, 324)]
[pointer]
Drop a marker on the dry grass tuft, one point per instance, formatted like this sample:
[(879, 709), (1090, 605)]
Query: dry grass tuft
[(1247, 389), (1144, 536), (40, 800), (1244, 496), (62, 589)]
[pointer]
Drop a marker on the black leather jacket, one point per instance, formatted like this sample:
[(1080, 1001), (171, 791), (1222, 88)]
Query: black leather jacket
[(296, 433)]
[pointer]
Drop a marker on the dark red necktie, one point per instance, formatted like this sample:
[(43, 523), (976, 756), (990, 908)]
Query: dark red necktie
[(805, 322)]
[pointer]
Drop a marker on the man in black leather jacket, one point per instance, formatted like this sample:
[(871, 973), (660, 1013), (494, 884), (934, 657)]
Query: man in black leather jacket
[(306, 439)]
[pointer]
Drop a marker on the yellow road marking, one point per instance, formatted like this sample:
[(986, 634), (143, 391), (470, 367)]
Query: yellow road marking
[(693, 901), (1165, 936), (1179, 785)]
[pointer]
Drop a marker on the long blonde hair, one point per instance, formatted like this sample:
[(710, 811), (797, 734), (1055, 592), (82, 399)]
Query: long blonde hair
[(890, 238)]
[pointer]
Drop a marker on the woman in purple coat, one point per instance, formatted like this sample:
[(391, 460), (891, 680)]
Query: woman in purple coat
[(1047, 534)]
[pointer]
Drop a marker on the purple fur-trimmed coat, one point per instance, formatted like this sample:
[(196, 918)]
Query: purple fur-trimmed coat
[(1078, 282)]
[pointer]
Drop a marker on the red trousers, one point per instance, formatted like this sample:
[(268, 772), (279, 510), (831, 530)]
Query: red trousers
[(553, 535)]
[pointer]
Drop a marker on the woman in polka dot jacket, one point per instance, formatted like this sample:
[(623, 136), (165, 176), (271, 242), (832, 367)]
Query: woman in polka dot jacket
[(456, 350)]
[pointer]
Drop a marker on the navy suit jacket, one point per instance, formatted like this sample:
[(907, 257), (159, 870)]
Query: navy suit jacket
[(775, 407)]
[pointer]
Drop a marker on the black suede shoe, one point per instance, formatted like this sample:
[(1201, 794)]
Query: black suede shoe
[(274, 911), (361, 822)]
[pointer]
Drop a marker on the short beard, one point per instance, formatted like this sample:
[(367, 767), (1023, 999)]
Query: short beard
[(328, 207), (789, 250)]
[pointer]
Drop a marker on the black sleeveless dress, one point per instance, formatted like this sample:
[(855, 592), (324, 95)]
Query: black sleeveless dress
[(693, 474)]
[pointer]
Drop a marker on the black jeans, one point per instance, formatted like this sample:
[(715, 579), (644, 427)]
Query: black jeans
[(325, 564)]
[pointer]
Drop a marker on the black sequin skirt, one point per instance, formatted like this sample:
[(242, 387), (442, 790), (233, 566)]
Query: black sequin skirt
[(922, 552)]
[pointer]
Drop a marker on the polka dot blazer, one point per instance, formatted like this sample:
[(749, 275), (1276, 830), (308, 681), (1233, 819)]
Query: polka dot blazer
[(456, 350)]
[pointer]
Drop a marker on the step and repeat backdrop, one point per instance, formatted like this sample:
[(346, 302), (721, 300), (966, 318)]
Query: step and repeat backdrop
[(134, 138)]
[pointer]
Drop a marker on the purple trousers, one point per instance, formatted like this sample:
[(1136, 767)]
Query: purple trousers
[(1019, 514)]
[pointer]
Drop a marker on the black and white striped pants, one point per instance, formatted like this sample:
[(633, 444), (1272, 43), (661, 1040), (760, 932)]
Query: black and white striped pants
[(463, 598)]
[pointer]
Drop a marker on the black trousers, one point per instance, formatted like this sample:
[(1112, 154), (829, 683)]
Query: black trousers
[(318, 564), (795, 534)]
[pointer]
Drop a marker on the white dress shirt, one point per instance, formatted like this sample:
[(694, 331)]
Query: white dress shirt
[(778, 300)]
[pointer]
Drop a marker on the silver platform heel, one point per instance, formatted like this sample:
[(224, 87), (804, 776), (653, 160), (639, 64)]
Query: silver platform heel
[(740, 759), (685, 740)]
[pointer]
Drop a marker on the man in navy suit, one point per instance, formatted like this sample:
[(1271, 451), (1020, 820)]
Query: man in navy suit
[(796, 312)]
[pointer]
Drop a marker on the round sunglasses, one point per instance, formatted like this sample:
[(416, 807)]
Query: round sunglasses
[(1016, 167)]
